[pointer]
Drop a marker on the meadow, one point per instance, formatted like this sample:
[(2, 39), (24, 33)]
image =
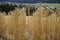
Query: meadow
[(22, 24), (51, 4)]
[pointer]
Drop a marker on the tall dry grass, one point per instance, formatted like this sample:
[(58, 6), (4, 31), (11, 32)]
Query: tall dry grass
[(41, 26)]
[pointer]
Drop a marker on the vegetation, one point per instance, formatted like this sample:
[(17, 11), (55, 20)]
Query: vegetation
[(9, 7), (30, 10)]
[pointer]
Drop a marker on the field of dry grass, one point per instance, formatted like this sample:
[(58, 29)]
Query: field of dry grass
[(40, 26)]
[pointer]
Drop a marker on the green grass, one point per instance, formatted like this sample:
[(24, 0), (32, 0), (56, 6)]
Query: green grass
[(54, 4)]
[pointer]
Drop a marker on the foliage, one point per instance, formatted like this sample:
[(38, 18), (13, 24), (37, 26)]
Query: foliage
[(30, 10), (7, 7), (10, 7)]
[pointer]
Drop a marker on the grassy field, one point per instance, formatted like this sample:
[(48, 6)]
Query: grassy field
[(51, 4), (43, 25)]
